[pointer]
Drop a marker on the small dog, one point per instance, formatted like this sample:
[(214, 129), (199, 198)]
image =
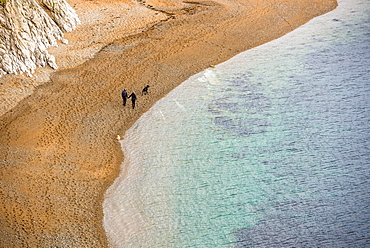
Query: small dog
[(145, 90)]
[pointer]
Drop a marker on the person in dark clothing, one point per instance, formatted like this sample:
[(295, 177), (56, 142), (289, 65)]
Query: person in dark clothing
[(124, 97), (145, 90), (133, 99)]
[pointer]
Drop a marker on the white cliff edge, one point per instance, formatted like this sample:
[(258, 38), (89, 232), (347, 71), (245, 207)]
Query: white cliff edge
[(28, 28)]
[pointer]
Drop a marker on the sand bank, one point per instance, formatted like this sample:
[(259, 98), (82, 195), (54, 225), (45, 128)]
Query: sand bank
[(58, 146)]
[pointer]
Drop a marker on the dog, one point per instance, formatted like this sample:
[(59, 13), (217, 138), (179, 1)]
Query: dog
[(145, 90)]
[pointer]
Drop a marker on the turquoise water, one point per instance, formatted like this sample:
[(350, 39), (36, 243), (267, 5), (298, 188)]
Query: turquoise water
[(269, 149)]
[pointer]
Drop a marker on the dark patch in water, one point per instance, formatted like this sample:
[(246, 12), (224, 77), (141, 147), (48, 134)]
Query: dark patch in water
[(311, 226), (241, 128)]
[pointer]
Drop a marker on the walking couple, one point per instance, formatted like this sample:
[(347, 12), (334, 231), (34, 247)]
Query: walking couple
[(132, 96)]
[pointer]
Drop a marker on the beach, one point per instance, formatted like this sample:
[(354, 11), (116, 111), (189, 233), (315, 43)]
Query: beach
[(58, 146)]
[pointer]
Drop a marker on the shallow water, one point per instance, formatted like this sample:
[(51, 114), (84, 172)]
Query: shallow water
[(269, 149)]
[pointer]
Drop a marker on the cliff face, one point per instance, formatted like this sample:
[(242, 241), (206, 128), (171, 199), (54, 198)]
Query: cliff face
[(28, 28)]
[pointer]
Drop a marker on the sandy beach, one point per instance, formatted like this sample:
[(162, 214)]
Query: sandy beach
[(58, 130)]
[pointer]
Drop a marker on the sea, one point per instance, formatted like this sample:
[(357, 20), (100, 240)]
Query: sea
[(269, 149)]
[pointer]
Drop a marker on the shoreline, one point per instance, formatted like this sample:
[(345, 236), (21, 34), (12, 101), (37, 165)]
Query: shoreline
[(59, 145)]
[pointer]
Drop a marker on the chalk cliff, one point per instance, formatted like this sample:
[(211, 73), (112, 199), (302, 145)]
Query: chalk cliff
[(28, 28)]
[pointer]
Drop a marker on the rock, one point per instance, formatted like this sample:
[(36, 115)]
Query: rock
[(28, 28)]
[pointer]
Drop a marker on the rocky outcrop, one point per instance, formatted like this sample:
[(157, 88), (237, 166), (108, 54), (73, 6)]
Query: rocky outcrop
[(28, 28)]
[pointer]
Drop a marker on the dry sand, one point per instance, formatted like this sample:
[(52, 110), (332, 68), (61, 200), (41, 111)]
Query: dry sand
[(58, 146)]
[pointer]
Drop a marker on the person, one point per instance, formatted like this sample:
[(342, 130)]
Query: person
[(124, 97), (145, 90), (133, 99)]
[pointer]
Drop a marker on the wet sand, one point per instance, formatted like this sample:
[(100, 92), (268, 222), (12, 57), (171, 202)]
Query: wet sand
[(58, 146)]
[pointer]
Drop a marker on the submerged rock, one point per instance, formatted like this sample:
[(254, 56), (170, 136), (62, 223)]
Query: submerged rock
[(28, 28)]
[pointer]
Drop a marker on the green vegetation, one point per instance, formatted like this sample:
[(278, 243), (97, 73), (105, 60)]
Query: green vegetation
[(2, 2)]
